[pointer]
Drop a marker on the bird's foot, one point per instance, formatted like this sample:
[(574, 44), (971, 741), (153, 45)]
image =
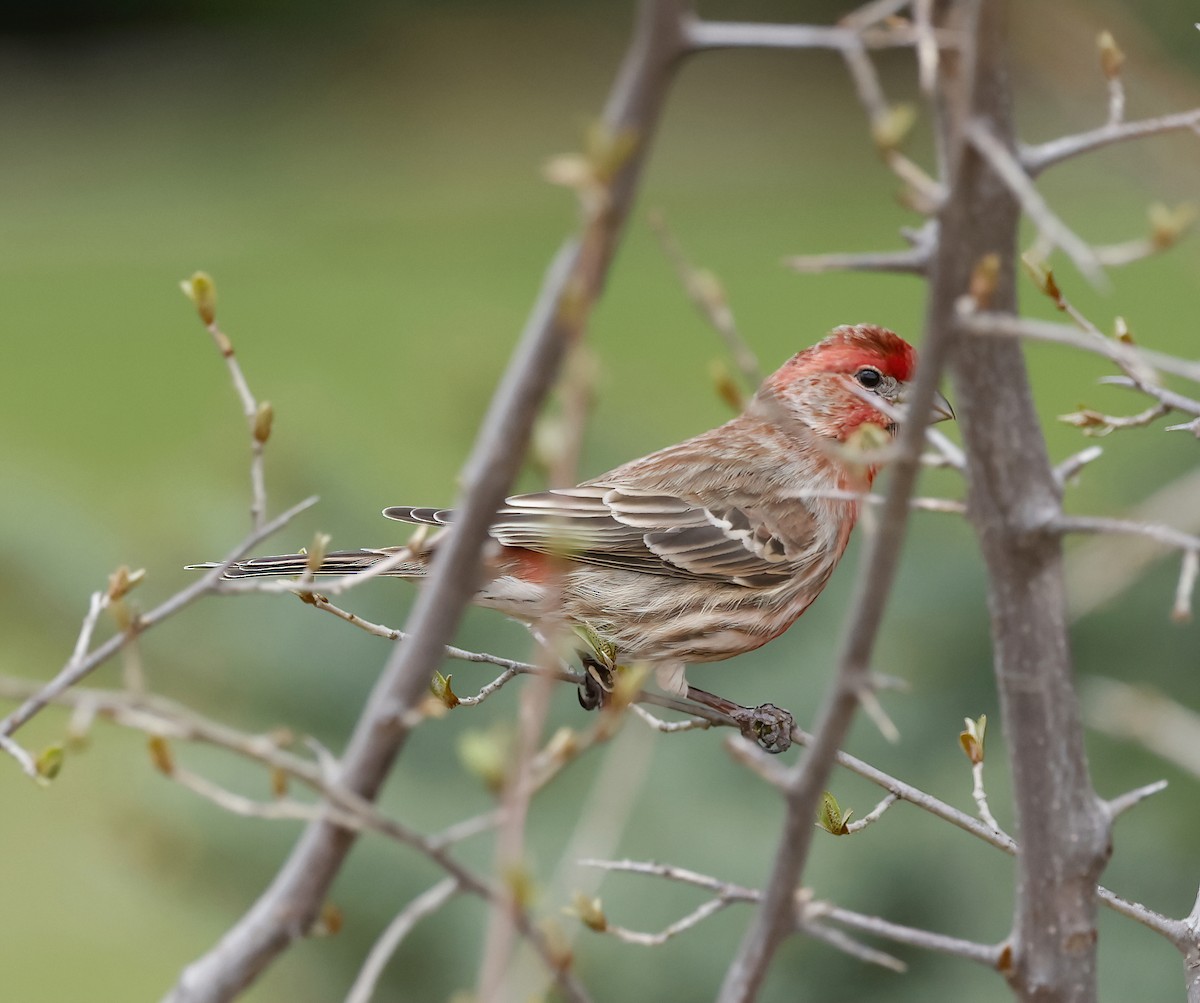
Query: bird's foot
[(597, 685), (767, 725)]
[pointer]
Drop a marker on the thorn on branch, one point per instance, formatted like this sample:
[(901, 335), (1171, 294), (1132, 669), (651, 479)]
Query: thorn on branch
[(1131, 799)]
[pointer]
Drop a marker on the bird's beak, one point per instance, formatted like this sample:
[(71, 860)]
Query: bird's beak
[(941, 410)]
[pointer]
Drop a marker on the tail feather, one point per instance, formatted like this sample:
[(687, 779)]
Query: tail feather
[(339, 562)]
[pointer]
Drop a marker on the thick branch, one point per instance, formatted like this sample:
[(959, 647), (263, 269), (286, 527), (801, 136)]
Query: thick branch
[(1062, 827)]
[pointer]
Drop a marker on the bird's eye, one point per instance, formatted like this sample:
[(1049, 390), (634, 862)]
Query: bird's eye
[(869, 378)]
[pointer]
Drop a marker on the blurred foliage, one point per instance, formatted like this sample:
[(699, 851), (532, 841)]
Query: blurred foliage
[(368, 200)]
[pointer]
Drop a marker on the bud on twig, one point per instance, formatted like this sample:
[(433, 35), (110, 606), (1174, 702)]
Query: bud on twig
[(203, 294), (49, 762), (889, 129), (263, 418), (972, 737), (589, 912), (1111, 56), (1167, 225), (439, 686), (160, 754)]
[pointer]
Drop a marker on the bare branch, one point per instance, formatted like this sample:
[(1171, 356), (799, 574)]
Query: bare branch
[(1020, 184), (1007, 325), (873, 815), (706, 293), (983, 954), (1073, 464), (703, 35), (1037, 158), (913, 261), (21, 755), (199, 289), (1108, 564), (393, 935), (979, 793), (694, 918), (1166, 535), (672, 727), (78, 668)]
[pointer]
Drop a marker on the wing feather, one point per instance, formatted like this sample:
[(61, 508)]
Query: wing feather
[(736, 525)]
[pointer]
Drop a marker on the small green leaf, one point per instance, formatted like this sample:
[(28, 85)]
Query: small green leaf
[(440, 687), (831, 817), (49, 762), (486, 755)]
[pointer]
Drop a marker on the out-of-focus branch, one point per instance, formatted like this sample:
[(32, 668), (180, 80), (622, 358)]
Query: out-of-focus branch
[(707, 294), (913, 261), (393, 935), (1107, 565), (805, 916), (1006, 325), (572, 283), (703, 35), (1038, 157)]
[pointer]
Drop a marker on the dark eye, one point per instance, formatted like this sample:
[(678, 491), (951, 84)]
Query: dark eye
[(869, 378)]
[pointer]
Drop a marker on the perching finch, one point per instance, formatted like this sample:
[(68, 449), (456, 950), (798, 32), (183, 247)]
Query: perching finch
[(700, 551)]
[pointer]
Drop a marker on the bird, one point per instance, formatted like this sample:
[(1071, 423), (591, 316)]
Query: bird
[(697, 552)]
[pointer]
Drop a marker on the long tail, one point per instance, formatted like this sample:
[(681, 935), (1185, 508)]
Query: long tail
[(340, 562)]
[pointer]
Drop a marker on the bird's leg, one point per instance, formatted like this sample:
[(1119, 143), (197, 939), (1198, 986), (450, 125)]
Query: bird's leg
[(597, 683), (768, 725)]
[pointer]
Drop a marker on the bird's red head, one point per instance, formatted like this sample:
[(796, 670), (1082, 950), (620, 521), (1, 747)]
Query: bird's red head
[(828, 386)]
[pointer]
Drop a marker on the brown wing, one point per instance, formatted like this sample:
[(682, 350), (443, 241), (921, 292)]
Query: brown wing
[(625, 519)]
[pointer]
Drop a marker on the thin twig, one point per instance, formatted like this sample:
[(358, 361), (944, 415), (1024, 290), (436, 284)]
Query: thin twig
[(979, 793), (259, 427), (1007, 325), (983, 954), (393, 935), (78, 668), (709, 298), (912, 261), (1069, 468), (671, 727), (703, 35), (1010, 170), (874, 815), (1168, 536)]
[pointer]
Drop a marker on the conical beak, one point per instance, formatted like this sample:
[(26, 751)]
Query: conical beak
[(941, 410)]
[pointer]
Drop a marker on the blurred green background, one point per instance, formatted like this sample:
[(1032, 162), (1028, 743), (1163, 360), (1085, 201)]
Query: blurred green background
[(365, 188)]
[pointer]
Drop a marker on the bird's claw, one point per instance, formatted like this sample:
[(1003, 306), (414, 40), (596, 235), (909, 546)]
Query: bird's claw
[(767, 725), (596, 687)]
